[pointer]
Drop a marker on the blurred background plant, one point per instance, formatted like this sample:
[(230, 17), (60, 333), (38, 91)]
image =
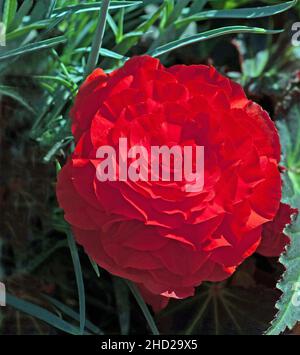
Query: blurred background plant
[(53, 287)]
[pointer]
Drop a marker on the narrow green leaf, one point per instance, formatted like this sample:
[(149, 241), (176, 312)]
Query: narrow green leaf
[(14, 94), (95, 266), (98, 38), (57, 79), (120, 31), (113, 26), (51, 7), (26, 29), (32, 47), (10, 9), (180, 5), (208, 35), (197, 6), (21, 13), (129, 41), (95, 6), (72, 314), (123, 304), (42, 10), (41, 313), (57, 166), (246, 13), (103, 52), (79, 280), (42, 257), (143, 307)]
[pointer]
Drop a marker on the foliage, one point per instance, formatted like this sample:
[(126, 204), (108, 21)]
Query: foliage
[(50, 47)]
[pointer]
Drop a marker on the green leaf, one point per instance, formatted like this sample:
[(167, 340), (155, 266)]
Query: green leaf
[(129, 41), (26, 29), (254, 55), (57, 79), (95, 6), (42, 257), (197, 6), (72, 314), (14, 94), (289, 127), (178, 8), (103, 52), (113, 26), (98, 38), (143, 307), (208, 35), (42, 10), (32, 47), (95, 266), (10, 9), (288, 305), (123, 304), (79, 280), (221, 309), (21, 13), (120, 29), (41, 313), (247, 13)]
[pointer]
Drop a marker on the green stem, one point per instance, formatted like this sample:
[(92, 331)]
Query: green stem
[(98, 38), (143, 307)]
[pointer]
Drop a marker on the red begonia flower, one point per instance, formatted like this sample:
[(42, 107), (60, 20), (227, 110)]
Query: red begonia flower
[(156, 234)]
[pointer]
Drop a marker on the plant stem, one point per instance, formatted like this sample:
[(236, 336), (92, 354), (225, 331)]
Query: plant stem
[(98, 38), (143, 306)]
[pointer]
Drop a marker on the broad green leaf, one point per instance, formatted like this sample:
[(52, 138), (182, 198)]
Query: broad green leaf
[(221, 309), (32, 47), (79, 280), (208, 35), (41, 313), (14, 94), (247, 13), (288, 305)]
